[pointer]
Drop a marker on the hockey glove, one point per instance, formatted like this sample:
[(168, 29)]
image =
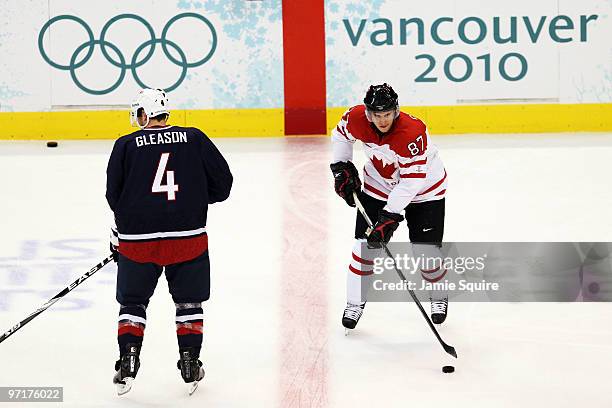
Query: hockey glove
[(384, 228), (114, 243), (346, 180)]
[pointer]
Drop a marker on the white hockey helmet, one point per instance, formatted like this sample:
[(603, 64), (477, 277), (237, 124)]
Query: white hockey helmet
[(153, 102)]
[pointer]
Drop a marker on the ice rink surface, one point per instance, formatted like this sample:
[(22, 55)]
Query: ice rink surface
[(280, 248)]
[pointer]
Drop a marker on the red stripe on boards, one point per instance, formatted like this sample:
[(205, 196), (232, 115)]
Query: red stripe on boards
[(304, 67)]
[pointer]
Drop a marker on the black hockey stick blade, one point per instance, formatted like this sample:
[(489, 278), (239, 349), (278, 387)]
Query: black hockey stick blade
[(449, 349), (55, 298)]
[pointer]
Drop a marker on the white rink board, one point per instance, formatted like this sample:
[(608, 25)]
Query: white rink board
[(562, 45), (366, 42), (244, 40)]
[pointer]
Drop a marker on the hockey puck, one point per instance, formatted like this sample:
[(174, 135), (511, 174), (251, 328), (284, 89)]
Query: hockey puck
[(448, 369), (51, 144)]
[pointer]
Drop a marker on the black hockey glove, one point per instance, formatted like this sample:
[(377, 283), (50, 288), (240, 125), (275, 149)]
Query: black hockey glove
[(346, 181), (384, 228)]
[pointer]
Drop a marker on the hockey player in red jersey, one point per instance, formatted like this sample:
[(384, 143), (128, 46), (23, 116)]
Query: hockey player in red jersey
[(160, 181), (403, 173)]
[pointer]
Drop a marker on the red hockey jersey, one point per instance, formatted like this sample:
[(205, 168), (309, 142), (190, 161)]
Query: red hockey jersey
[(402, 166)]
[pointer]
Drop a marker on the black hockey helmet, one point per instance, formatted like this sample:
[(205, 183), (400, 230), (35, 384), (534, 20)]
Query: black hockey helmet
[(381, 98)]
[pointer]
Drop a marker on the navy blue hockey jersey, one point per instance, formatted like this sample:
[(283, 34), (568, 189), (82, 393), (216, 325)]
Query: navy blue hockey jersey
[(159, 183)]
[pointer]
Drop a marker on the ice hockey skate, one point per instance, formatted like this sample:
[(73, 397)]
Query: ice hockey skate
[(439, 309), (127, 368), (352, 314), (191, 369)]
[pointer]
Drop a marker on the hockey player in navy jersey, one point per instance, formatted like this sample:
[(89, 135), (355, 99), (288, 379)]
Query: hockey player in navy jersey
[(160, 181)]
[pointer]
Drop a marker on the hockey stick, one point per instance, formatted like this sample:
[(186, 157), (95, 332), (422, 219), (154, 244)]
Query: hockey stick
[(57, 297), (449, 349)]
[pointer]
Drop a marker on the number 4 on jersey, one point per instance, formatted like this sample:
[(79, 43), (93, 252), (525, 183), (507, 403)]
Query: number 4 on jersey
[(170, 188)]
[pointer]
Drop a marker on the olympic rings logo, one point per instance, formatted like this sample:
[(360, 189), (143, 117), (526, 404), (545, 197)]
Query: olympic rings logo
[(119, 60)]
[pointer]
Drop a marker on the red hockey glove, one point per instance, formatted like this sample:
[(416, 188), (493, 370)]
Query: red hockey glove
[(346, 180), (384, 228)]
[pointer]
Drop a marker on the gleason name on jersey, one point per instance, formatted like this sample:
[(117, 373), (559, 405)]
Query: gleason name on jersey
[(161, 138)]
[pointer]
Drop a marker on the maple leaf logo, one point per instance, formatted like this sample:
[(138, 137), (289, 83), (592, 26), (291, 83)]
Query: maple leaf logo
[(385, 170)]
